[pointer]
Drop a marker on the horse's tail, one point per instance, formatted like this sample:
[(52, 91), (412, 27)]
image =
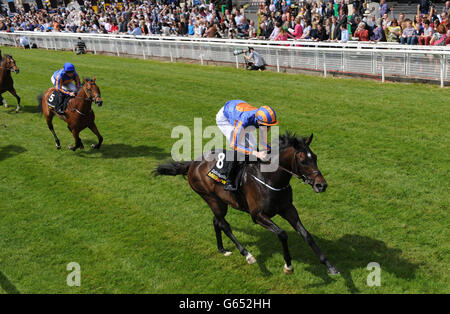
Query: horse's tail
[(173, 168), (39, 99)]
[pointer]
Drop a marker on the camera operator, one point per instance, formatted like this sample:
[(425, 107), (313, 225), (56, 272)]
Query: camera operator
[(80, 47), (254, 60)]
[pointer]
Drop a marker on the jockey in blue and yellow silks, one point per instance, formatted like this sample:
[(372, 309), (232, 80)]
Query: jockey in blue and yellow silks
[(63, 80), (233, 119)]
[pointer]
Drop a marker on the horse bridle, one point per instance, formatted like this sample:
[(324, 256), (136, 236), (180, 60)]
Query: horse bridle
[(303, 177), (90, 98), (4, 67)]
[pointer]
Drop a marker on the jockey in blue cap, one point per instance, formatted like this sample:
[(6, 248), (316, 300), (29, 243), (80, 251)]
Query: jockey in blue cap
[(63, 80), (233, 119)]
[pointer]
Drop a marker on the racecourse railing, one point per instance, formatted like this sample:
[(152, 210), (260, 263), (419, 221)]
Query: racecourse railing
[(371, 59)]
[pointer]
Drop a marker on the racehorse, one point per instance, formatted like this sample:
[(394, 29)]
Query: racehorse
[(7, 63), (261, 194), (78, 114)]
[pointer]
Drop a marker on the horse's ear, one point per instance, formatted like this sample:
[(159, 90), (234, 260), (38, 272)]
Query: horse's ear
[(93, 78), (309, 140), (0, 54)]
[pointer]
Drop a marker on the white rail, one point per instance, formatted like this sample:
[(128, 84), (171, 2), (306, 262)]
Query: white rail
[(378, 60)]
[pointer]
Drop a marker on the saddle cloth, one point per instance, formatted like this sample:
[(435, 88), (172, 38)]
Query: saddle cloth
[(57, 100), (53, 100), (221, 169)]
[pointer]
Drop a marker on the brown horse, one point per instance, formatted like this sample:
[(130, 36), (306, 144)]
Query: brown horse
[(7, 63), (261, 194), (78, 114)]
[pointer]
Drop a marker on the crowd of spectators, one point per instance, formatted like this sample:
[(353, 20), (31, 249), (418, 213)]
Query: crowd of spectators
[(317, 20)]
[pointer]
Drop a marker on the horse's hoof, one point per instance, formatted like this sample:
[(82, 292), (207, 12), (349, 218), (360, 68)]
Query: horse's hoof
[(58, 146), (288, 269), (250, 259), (72, 148), (227, 253), (6, 106), (81, 147), (333, 271), (17, 110)]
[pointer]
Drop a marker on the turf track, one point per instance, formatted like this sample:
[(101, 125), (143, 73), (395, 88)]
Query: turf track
[(383, 148)]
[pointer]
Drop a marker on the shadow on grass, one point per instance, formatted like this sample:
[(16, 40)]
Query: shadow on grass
[(6, 285), (10, 151), (125, 151), (350, 252)]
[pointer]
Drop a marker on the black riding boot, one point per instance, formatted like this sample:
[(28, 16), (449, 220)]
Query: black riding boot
[(231, 177), (63, 100)]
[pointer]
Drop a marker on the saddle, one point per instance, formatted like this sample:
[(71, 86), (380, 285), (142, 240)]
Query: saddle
[(229, 170)]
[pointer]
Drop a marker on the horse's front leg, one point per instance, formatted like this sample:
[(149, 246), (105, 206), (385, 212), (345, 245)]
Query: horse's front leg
[(13, 92), (76, 136), (265, 221), (94, 130), (291, 215)]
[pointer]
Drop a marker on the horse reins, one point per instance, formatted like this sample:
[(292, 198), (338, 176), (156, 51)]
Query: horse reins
[(304, 178), (91, 99)]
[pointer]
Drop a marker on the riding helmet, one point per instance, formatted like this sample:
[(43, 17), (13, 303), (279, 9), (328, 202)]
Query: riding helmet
[(69, 67), (266, 116)]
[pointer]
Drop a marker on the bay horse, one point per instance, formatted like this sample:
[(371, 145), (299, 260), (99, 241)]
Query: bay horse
[(8, 64), (78, 114), (261, 194)]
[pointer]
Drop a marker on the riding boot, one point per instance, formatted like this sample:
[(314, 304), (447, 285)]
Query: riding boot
[(63, 104), (231, 177)]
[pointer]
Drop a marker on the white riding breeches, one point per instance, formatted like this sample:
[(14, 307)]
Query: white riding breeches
[(68, 87), (227, 128)]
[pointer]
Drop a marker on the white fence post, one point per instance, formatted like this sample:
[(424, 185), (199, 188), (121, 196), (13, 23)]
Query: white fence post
[(278, 61), (382, 68)]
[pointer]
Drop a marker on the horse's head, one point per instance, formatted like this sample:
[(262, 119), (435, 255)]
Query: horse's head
[(8, 63), (92, 91), (304, 161)]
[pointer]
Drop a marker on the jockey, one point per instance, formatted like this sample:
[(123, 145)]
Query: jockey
[(63, 81), (233, 119)]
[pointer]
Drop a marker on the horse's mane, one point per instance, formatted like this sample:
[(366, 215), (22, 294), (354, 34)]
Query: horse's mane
[(292, 140)]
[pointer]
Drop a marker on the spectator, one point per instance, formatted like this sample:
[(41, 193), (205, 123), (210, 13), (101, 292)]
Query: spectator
[(425, 38), (424, 6), (134, 30), (80, 47), (378, 33), (438, 38), (361, 32), (383, 8), (319, 33), (409, 35), (394, 32), (298, 28), (334, 29), (344, 34), (306, 31)]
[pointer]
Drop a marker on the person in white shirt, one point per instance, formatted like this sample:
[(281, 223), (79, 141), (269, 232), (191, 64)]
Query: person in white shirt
[(24, 42), (344, 34)]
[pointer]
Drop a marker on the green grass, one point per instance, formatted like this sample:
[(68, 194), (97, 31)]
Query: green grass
[(383, 148)]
